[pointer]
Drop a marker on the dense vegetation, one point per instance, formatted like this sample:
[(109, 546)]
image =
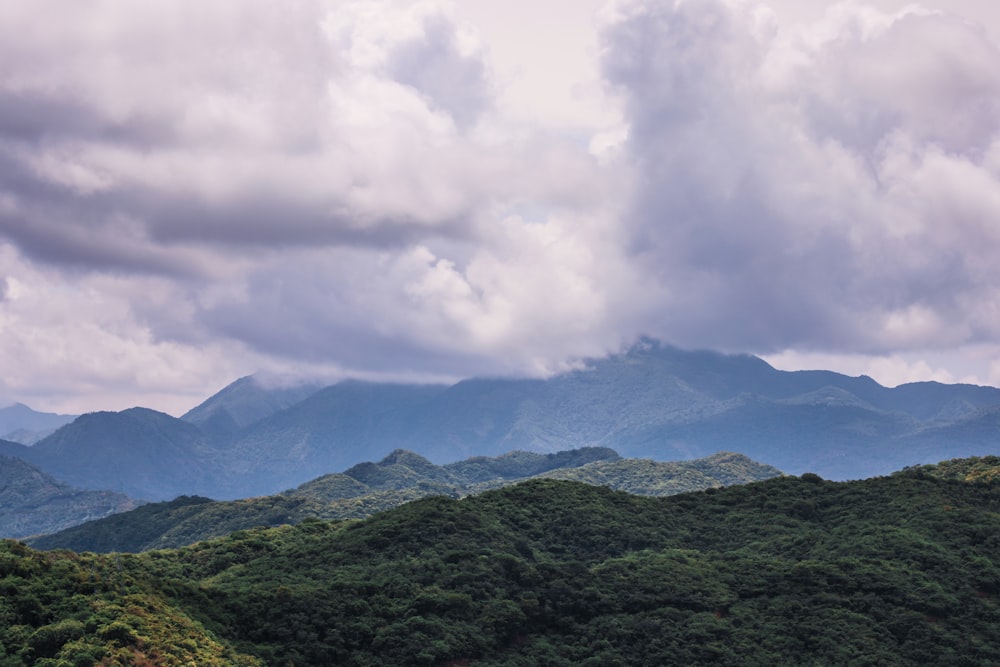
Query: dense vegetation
[(984, 469), (63, 609), (401, 477), (899, 570)]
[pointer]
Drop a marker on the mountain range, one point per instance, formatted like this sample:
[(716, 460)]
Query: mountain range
[(401, 477), (653, 401)]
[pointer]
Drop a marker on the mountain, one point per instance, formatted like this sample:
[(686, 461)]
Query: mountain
[(653, 401), (401, 477), (32, 502), (897, 570), (332, 429), (12, 449), (139, 452), (19, 423), (244, 402)]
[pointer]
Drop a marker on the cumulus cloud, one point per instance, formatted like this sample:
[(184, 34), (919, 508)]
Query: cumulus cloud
[(831, 189), (243, 122), (200, 191), (327, 184)]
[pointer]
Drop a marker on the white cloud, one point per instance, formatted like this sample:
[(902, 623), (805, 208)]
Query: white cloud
[(63, 342), (190, 192), (845, 203)]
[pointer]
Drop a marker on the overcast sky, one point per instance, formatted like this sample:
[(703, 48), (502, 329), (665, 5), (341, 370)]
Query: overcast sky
[(191, 191)]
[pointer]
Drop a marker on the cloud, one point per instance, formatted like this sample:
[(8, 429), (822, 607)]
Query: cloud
[(324, 184), (243, 122), (360, 188), (528, 298), (832, 189)]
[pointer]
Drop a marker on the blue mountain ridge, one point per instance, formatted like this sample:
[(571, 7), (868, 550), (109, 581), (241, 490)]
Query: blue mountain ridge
[(653, 401)]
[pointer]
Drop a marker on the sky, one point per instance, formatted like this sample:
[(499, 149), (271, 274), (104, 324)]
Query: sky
[(419, 191)]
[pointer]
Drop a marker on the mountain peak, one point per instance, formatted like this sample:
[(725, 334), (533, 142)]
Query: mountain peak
[(244, 402), (406, 458)]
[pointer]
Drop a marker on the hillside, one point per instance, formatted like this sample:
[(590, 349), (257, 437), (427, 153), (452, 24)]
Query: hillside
[(654, 478), (32, 502), (984, 470), (401, 477), (898, 570)]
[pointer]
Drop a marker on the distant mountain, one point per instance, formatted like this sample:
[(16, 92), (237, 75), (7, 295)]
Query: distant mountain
[(32, 502), (331, 430), (12, 449), (19, 423), (139, 452), (244, 402), (401, 477), (654, 401)]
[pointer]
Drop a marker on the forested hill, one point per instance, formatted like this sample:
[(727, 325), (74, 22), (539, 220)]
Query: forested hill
[(401, 477), (899, 570)]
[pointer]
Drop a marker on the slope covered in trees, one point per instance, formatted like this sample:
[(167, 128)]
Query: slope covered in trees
[(899, 570), (403, 476)]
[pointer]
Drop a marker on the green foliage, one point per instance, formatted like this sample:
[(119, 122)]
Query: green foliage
[(64, 609), (899, 570), (891, 571), (655, 478), (399, 478), (985, 469)]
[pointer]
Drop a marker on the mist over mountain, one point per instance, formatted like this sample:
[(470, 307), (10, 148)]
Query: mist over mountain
[(653, 401)]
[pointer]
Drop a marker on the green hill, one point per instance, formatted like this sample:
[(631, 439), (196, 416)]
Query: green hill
[(656, 478), (401, 477), (985, 469), (899, 570)]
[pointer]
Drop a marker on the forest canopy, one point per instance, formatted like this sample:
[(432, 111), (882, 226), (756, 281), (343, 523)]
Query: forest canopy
[(897, 570)]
